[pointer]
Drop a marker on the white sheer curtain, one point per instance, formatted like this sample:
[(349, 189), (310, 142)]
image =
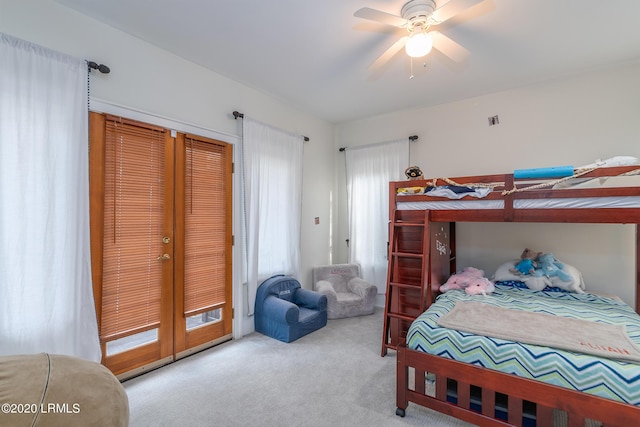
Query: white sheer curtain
[(272, 175), (46, 296), (370, 168)]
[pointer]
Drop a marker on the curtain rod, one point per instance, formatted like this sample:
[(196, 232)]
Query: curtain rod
[(100, 67), (412, 138), (236, 115)]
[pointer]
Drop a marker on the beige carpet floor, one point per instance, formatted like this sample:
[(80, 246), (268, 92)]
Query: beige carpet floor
[(332, 377)]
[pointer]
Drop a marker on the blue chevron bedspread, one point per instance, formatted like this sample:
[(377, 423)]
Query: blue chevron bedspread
[(606, 378)]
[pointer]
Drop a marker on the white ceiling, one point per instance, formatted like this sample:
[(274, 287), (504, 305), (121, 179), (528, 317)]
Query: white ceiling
[(315, 54)]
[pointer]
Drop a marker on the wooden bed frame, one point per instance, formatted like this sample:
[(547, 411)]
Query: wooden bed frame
[(472, 393)]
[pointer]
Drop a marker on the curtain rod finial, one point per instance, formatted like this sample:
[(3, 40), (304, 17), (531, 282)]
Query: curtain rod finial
[(100, 67)]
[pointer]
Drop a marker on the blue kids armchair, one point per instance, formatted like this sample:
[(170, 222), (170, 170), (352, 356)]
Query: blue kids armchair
[(285, 311)]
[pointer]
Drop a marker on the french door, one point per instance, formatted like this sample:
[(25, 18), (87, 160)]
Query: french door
[(161, 242), (203, 238)]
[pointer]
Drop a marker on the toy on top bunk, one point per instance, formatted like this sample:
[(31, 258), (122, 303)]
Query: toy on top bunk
[(538, 271), (471, 280), (413, 173)]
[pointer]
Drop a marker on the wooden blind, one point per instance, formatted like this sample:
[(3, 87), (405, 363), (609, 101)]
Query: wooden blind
[(133, 218), (205, 225)]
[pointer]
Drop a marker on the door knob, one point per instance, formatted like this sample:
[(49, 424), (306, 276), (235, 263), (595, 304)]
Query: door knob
[(164, 257)]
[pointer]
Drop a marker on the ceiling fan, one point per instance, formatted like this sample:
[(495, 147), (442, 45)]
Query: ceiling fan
[(418, 17)]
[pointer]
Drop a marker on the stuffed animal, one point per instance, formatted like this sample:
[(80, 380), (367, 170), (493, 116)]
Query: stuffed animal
[(479, 286), (413, 173), (462, 279), (527, 263), (549, 266)]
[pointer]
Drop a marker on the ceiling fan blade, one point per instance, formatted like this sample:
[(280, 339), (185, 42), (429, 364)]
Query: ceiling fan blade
[(448, 47), (389, 53), (450, 9), (380, 16)]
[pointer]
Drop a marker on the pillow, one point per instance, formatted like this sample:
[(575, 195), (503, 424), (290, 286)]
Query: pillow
[(576, 284), (503, 273), (521, 285), (410, 190), (511, 284)]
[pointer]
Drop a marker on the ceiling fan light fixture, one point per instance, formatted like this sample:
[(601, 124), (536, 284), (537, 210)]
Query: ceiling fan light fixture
[(419, 44)]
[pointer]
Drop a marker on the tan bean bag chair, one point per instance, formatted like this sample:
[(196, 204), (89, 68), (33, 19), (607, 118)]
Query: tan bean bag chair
[(54, 390)]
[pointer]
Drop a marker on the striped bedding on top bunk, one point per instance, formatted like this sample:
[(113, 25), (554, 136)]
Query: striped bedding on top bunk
[(602, 377)]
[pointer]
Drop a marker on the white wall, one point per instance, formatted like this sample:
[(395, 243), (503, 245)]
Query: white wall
[(147, 79), (571, 121)]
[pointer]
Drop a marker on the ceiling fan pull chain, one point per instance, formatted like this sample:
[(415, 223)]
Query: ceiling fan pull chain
[(411, 62)]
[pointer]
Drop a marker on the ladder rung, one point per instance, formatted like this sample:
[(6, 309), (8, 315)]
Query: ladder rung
[(406, 285), (406, 306), (401, 316), (407, 254), (408, 224)]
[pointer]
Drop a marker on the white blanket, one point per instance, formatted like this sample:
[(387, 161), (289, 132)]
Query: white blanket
[(581, 336)]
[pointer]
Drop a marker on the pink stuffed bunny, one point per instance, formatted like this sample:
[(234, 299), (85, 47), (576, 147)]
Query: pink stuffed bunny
[(462, 279), (478, 286)]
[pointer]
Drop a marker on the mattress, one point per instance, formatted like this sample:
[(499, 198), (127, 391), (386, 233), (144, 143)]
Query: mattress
[(608, 378), (559, 203)]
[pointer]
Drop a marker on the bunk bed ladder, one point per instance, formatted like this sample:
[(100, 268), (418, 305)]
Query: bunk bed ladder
[(407, 294)]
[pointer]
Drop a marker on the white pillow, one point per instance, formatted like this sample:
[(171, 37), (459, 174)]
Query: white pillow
[(576, 284)]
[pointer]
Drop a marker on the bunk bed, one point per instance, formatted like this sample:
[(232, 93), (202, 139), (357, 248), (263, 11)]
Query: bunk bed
[(422, 256)]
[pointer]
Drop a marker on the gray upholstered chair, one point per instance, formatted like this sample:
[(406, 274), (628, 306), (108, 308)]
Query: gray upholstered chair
[(348, 295)]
